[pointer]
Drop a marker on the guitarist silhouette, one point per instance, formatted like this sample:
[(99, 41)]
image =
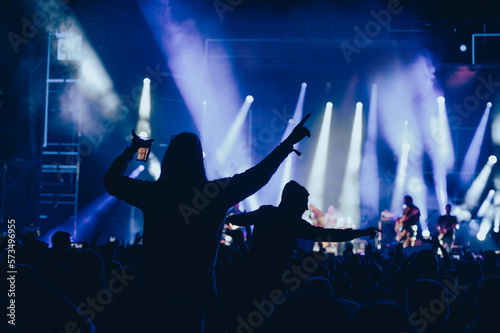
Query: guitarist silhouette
[(446, 228), (406, 226)]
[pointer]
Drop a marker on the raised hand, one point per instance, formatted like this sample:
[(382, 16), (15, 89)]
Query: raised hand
[(298, 133), (138, 142), (372, 232)]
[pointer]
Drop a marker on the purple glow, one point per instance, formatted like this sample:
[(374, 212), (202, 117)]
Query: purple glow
[(89, 215), (199, 79)]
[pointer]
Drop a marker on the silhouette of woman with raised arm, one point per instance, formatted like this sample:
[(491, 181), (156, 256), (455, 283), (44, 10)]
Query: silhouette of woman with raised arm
[(183, 218)]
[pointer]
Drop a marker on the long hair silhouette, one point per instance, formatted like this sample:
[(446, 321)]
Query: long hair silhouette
[(183, 160)]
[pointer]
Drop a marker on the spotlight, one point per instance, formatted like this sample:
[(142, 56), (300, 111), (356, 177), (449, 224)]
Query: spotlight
[(286, 170), (426, 233), (349, 195), (486, 204), (440, 99), (369, 180), (204, 102), (406, 146), (472, 156), (317, 174), (146, 81), (234, 131), (489, 104), (463, 47), (476, 189)]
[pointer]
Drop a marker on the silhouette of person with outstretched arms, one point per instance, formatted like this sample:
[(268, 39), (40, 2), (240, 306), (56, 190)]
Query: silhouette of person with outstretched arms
[(184, 214), (276, 229)]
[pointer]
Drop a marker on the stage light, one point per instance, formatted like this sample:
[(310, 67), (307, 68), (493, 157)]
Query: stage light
[(484, 227), (317, 175), (463, 48), (286, 169), (234, 132), (349, 195), (489, 104), (368, 177), (88, 216), (146, 81), (145, 102), (475, 191), (496, 213), (426, 233), (399, 184), (137, 171), (486, 204), (492, 159), (69, 46), (471, 157), (442, 156)]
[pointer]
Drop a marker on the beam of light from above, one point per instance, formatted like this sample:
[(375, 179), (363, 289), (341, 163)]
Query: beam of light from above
[(88, 216), (317, 176), (349, 196), (368, 177), (400, 181), (471, 158), (486, 204), (443, 157), (94, 86), (143, 124), (496, 212), (484, 228), (475, 191), (288, 167), (495, 127), (442, 136), (234, 132), (198, 76)]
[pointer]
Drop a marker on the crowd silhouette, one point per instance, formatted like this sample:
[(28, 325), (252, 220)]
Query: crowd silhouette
[(180, 278)]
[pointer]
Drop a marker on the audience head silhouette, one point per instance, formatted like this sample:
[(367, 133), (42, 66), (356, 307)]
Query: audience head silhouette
[(61, 239), (294, 198), (183, 160)]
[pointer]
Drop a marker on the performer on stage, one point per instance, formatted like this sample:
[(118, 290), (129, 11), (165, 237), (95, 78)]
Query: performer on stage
[(407, 225), (446, 228)]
